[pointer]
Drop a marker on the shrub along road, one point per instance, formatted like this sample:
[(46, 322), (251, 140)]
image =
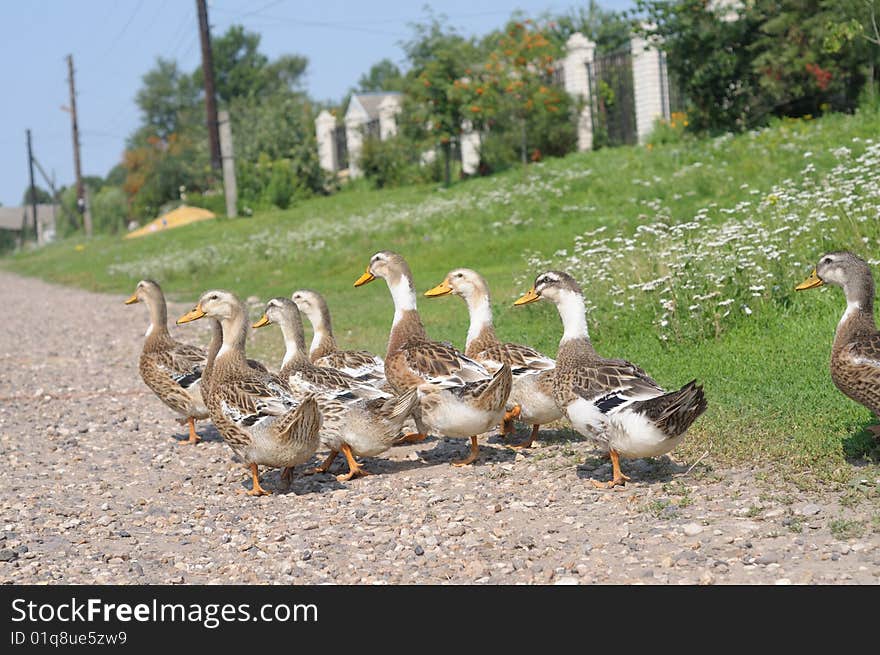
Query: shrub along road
[(97, 489)]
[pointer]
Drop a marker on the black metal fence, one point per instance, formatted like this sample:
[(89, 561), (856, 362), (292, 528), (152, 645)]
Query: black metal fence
[(612, 96), (372, 129), (340, 145)]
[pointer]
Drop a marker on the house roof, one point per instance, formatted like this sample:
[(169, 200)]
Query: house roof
[(370, 102), (10, 217)]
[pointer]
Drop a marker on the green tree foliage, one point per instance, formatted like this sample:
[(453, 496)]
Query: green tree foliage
[(767, 58), (42, 196), (382, 76), (710, 58), (168, 100), (805, 59), (434, 108), (514, 100), (609, 30), (109, 208), (272, 125)]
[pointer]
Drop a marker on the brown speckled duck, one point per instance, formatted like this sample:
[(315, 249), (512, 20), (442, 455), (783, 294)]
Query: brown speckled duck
[(611, 401), (255, 412), (323, 351), (531, 398), (458, 397), (359, 420), (171, 369), (855, 354)]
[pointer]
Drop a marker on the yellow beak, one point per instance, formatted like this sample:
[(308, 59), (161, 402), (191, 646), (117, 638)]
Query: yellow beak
[(811, 282), (366, 277), (191, 315), (530, 296), (264, 321), (133, 299), (440, 290)]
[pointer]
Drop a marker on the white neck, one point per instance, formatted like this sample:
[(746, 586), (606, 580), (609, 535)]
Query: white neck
[(852, 307), (316, 341), (481, 316), (404, 297), (149, 330), (290, 350), (573, 314)]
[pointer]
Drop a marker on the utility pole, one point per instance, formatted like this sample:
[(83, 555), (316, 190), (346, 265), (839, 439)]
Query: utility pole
[(210, 96), (80, 189), (229, 184), (33, 191)]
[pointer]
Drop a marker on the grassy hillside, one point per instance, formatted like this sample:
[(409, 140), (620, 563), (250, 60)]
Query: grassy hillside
[(688, 254)]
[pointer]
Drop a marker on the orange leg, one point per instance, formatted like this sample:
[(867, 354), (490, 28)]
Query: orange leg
[(507, 421), (532, 437), (256, 490), (193, 436), (355, 470), (325, 464), (618, 478), (413, 437), (472, 457)]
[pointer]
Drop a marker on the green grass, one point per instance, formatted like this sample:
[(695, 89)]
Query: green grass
[(724, 217)]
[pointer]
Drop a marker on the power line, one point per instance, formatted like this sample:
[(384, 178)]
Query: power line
[(123, 30)]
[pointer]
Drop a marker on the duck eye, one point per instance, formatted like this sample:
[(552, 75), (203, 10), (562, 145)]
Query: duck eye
[(827, 260)]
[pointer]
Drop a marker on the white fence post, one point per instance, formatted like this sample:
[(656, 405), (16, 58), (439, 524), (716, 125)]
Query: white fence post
[(388, 110), (325, 123), (650, 86), (470, 148), (580, 51), (354, 138)]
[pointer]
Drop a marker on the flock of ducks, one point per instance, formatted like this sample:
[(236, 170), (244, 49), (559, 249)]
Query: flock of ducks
[(358, 404)]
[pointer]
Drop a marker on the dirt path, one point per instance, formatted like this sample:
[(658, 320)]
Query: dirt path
[(96, 490)]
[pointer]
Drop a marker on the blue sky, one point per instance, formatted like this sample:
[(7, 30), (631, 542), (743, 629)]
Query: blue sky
[(114, 42)]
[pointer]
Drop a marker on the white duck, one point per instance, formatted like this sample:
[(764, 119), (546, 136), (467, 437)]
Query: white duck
[(611, 401)]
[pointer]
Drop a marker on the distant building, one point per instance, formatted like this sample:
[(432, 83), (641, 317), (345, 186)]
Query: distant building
[(12, 219), (637, 78)]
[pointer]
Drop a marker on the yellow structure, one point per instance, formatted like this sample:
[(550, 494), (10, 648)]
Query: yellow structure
[(183, 215)]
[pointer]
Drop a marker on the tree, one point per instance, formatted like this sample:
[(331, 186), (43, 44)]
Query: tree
[(168, 100), (241, 70), (434, 107), (711, 59), (109, 210), (515, 85), (43, 196), (609, 30), (796, 70), (382, 76)]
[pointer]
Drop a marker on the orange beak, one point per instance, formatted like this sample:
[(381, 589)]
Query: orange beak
[(133, 299), (529, 296), (440, 290), (264, 320), (811, 282), (365, 278), (192, 315)]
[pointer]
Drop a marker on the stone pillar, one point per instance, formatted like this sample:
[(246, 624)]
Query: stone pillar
[(227, 156), (580, 51), (470, 149), (354, 139), (650, 86), (388, 110), (325, 123)]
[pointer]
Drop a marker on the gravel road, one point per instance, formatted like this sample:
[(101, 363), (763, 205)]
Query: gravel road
[(97, 489)]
